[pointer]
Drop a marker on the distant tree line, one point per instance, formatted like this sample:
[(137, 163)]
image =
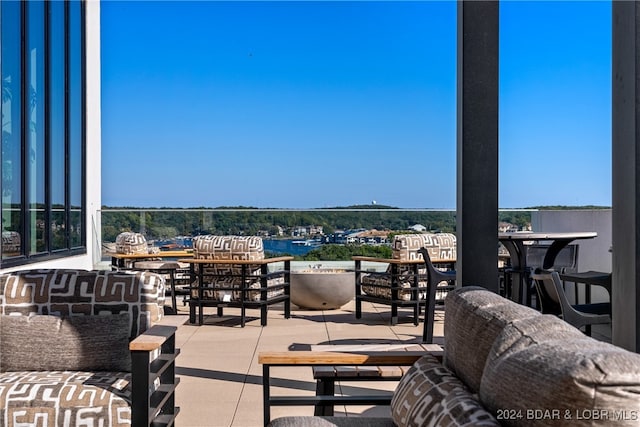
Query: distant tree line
[(166, 223)]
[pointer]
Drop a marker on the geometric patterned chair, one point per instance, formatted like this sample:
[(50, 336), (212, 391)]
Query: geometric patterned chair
[(130, 243), (232, 271), (82, 348), (404, 282)]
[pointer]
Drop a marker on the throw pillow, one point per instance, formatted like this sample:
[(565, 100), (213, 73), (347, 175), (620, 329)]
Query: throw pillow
[(429, 394), (76, 343)]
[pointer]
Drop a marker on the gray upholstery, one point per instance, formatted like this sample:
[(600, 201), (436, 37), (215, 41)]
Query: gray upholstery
[(564, 371), (77, 343), (474, 317)]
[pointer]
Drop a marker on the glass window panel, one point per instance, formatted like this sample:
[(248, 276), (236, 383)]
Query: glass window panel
[(36, 166), (75, 228), (56, 113), (11, 130), (76, 115)]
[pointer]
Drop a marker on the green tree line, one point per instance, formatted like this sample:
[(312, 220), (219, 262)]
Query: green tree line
[(169, 223)]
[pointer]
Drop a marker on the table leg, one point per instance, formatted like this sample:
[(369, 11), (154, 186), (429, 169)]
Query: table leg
[(324, 387), (172, 280)]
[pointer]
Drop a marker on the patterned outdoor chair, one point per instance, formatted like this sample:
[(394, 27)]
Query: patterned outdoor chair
[(130, 243), (232, 271), (404, 282), (83, 348)]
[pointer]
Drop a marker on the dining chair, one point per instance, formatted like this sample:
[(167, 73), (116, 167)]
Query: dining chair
[(436, 291), (553, 300)]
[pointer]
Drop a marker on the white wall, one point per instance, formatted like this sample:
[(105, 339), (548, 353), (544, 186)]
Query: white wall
[(94, 134)]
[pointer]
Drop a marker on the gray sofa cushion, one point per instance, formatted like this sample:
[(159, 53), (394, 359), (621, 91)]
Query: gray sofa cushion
[(77, 343), (307, 421), (551, 367), (429, 394), (475, 317)]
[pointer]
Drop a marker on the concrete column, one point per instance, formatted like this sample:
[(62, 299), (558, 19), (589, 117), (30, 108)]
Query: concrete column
[(477, 144), (626, 175)]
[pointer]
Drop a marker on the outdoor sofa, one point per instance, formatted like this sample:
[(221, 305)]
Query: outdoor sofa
[(82, 348), (503, 364)]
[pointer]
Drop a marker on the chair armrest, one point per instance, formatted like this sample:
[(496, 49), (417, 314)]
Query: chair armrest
[(236, 261), (153, 381), (350, 358), (386, 260)]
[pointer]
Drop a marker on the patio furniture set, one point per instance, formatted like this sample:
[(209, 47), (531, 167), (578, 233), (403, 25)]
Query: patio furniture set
[(83, 348)]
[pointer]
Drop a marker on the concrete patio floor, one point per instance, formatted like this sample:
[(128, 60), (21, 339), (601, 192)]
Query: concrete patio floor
[(221, 380)]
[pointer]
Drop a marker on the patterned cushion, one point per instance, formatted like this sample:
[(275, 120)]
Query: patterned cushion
[(79, 292), (131, 243), (65, 399), (568, 374), (52, 343), (228, 247), (224, 281), (474, 319), (429, 394), (441, 246)]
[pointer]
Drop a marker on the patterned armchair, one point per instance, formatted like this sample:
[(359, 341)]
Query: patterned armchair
[(81, 348), (404, 282), (232, 271), (130, 243)]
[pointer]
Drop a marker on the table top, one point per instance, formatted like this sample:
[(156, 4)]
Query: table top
[(538, 235), (161, 254), (159, 265), (236, 261), (400, 261)]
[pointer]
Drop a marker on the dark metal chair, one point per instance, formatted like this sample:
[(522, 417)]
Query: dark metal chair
[(553, 300), (435, 292)]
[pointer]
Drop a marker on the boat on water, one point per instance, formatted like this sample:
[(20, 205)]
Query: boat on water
[(308, 242)]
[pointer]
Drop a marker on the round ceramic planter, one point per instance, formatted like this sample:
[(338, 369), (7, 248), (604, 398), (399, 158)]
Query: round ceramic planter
[(319, 289)]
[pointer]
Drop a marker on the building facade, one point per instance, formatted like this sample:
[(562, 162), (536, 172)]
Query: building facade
[(50, 64)]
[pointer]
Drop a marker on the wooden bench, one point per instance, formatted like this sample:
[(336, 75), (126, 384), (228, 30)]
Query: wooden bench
[(384, 359)]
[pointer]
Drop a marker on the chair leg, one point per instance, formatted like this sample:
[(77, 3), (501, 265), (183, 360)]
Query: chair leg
[(192, 312), (287, 309), (358, 308), (324, 387), (416, 315), (263, 315), (394, 314)]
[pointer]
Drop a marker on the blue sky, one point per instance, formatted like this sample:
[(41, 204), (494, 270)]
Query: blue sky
[(322, 104)]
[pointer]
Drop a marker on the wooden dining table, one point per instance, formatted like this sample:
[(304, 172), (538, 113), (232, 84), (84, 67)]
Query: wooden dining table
[(516, 244)]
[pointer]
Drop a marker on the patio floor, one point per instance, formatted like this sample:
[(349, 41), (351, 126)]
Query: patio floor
[(221, 380)]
